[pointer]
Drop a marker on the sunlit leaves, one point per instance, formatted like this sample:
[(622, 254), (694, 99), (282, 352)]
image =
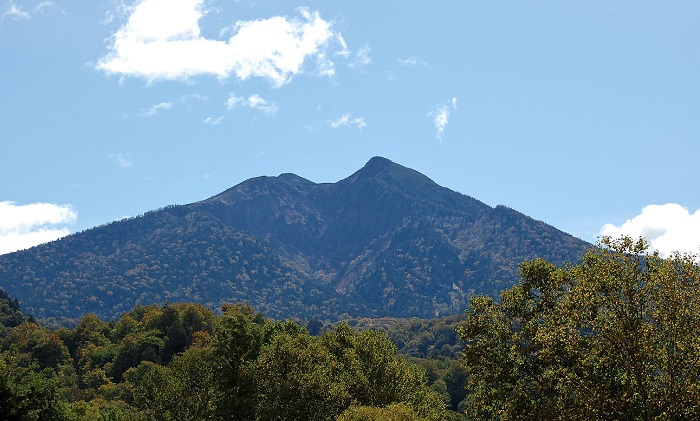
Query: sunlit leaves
[(616, 337)]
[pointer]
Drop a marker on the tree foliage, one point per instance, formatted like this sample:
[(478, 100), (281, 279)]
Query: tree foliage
[(11, 314), (182, 362), (616, 337), (26, 394)]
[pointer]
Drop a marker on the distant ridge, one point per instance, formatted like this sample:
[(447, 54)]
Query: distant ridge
[(385, 241)]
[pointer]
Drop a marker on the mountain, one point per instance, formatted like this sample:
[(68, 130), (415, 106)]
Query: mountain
[(386, 241)]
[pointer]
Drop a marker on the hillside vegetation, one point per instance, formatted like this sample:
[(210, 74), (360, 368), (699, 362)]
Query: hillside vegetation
[(615, 337), (385, 242)]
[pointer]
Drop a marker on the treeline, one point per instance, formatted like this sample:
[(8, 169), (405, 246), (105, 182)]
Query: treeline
[(183, 362), (415, 337)]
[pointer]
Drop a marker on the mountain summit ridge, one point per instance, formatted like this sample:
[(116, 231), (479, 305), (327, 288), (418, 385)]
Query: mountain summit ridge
[(385, 241)]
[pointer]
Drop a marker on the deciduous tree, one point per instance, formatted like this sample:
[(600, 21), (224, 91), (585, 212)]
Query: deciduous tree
[(615, 337)]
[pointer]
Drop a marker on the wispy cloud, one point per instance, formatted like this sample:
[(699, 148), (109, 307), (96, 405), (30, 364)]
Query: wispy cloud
[(122, 160), (667, 228), (48, 7), (361, 58), (257, 103), (254, 102), (196, 97), (14, 11), (25, 226), (213, 121), (18, 12), (347, 121), (234, 101), (169, 105), (162, 39), (155, 109), (440, 116), (412, 61)]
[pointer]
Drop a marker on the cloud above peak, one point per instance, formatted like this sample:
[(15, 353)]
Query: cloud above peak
[(668, 228), (25, 226), (153, 47), (440, 115)]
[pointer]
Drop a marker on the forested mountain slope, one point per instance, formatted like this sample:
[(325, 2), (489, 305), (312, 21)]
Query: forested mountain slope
[(386, 241)]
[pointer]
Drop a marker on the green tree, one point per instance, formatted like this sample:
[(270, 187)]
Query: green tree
[(238, 339), (26, 394), (154, 390), (11, 314), (394, 412), (616, 337), (185, 390), (298, 379), (36, 343)]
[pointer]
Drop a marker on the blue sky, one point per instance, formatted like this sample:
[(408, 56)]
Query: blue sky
[(584, 115)]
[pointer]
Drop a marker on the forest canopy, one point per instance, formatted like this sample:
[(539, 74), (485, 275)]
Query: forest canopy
[(182, 362), (616, 336)]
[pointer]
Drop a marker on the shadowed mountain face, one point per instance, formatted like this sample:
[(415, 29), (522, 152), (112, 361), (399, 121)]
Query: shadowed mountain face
[(386, 241)]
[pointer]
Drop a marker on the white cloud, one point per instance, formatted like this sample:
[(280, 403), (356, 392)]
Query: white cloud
[(183, 99), (346, 120), (667, 228), (121, 10), (155, 109), (234, 101), (123, 160), (254, 101), (150, 46), (362, 58), (13, 11), (325, 67), (25, 226), (440, 116), (257, 103), (213, 121), (45, 7), (168, 105), (343, 51), (412, 61)]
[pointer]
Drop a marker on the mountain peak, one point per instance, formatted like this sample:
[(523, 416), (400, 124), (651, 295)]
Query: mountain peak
[(382, 168), (378, 162), (386, 241)]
